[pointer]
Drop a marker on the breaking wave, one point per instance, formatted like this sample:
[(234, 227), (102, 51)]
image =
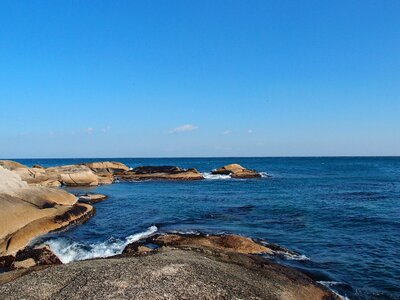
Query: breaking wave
[(68, 251), (265, 175), (208, 175)]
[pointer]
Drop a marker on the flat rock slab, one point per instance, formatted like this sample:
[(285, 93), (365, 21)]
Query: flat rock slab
[(166, 274)]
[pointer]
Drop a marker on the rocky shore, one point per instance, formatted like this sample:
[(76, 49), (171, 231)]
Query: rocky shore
[(181, 267), (168, 266), (29, 211)]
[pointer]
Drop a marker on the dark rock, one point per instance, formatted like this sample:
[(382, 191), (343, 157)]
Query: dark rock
[(160, 173), (91, 198)]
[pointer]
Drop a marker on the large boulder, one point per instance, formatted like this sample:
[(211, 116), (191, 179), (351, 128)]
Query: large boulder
[(109, 166), (105, 170), (30, 211), (91, 198), (236, 171), (160, 172), (232, 243), (11, 165), (70, 175), (73, 175), (167, 274)]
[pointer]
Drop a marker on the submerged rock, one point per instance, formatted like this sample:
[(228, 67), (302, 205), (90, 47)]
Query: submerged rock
[(160, 172), (166, 274), (236, 171)]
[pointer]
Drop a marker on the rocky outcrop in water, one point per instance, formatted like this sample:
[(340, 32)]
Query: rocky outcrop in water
[(30, 211), (105, 170), (91, 198), (90, 174), (236, 171), (160, 172), (235, 243)]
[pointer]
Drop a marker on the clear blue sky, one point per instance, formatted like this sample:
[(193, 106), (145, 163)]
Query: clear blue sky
[(199, 78)]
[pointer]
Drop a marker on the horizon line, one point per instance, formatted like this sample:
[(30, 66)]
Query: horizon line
[(185, 157)]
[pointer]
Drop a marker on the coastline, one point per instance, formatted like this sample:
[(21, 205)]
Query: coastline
[(216, 248)]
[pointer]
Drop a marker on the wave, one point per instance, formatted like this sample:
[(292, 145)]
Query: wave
[(68, 251), (291, 256), (208, 175), (265, 175)]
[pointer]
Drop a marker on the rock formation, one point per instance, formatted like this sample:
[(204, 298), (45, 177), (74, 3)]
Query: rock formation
[(91, 198), (30, 211), (160, 172), (105, 170), (90, 174), (234, 243), (166, 274), (236, 171)]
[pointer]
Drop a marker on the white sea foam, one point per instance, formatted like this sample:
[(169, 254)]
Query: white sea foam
[(295, 256), (208, 175), (265, 175), (68, 251)]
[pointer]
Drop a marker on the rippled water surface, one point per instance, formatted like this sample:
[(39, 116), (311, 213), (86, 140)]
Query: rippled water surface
[(340, 213)]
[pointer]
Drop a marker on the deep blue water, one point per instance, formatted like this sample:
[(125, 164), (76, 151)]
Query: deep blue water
[(341, 213)]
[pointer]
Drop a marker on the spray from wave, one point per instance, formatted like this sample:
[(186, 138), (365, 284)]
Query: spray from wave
[(68, 251), (265, 175), (208, 175)]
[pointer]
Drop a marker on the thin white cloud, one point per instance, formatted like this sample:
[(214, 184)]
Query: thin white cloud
[(249, 131), (106, 129), (89, 130), (227, 132), (184, 128)]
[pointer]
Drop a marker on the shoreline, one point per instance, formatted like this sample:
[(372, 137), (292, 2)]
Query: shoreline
[(28, 260), (182, 266)]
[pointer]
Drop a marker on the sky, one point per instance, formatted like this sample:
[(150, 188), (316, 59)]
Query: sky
[(199, 78)]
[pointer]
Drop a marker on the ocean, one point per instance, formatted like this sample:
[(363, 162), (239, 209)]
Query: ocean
[(340, 215)]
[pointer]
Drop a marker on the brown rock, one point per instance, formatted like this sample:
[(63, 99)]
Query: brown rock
[(108, 166), (160, 172), (37, 166), (236, 171), (168, 274), (91, 198), (11, 165), (232, 243), (24, 264), (83, 178), (136, 248), (27, 211), (71, 175)]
